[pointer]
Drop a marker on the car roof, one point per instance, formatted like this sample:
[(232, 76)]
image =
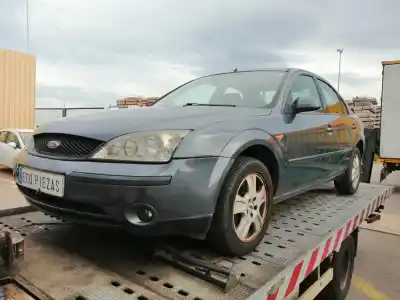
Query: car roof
[(292, 70)]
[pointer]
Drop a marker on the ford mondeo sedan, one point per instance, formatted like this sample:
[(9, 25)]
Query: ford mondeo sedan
[(207, 160)]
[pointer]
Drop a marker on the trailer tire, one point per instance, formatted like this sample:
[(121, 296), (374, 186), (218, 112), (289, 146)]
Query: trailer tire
[(223, 235), (343, 266), (345, 184)]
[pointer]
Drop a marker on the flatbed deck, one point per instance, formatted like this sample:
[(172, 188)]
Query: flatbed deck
[(66, 261)]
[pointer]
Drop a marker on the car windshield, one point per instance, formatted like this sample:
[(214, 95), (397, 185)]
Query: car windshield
[(25, 135), (249, 89)]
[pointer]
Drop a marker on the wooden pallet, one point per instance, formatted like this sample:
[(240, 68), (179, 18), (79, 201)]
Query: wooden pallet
[(367, 109)]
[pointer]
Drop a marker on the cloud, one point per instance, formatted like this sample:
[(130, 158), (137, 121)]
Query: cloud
[(12, 25), (92, 52)]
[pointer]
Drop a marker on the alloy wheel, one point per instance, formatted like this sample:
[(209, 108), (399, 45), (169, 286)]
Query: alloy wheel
[(250, 207), (356, 171)]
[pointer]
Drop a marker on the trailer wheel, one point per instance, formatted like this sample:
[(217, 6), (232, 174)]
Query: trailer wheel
[(384, 173), (343, 266), (348, 183), (243, 209)]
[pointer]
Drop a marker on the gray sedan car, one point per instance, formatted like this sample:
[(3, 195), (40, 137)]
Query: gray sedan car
[(208, 160)]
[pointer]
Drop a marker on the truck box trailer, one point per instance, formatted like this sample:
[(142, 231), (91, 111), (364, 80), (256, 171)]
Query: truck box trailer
[(389, 144), (309, 250), (381, 123)]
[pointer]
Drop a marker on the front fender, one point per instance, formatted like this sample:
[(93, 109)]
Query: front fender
[(253, 137), (236, 146), (250, 138)]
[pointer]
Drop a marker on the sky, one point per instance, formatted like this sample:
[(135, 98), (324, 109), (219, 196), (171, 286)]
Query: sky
[(93, 52)]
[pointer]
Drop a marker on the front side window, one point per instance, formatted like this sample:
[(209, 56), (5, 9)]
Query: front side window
[(304, 86), (334, 105), (3, 136), (25, 136), (12, 138), (245, 89)]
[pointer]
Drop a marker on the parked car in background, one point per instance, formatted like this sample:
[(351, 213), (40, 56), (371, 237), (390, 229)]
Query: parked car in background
[(207, 160), (11, 142)]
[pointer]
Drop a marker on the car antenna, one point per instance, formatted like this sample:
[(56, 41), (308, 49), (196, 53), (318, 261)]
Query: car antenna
[(235, 70)]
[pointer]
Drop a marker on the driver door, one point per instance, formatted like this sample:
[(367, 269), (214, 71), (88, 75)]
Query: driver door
[(307, 135)]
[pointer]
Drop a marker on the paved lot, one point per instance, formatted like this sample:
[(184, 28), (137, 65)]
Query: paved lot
[(10, 197), (378, 262)]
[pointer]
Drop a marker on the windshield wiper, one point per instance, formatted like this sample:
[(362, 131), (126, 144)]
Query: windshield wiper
[(205, 104)]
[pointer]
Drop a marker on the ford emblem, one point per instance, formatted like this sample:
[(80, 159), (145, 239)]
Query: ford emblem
[(53, 144)]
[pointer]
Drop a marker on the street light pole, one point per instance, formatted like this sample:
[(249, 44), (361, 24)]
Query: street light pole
[(27, 25), (340, 64)]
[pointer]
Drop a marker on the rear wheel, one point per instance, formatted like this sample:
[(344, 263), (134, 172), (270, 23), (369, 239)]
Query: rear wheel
[(348, 183), (243, 210), (343, 266)]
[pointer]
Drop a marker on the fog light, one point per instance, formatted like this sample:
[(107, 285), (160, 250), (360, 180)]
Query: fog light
[(140, 214), (145, 215)]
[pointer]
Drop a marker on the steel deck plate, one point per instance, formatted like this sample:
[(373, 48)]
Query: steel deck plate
[(79, 263)]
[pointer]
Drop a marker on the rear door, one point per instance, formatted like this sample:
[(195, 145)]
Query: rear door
[(344, 127)]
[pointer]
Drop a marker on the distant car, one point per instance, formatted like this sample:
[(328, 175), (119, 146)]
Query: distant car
[(207, 160), (11, 143)]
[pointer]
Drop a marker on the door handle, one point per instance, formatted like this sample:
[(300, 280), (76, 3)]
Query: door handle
[(329, 128), (353, 126)]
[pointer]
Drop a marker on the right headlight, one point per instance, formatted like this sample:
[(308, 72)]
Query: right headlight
[(150, 146)]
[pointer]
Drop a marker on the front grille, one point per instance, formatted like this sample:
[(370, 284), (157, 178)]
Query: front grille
[(70, 146)]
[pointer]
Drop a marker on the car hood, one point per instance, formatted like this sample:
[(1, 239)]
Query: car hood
[(112, 123)]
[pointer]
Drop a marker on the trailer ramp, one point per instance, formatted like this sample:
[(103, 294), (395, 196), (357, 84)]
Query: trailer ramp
[(65, 261)]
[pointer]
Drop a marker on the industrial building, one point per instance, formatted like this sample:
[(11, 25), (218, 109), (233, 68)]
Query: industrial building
[(17, 89)]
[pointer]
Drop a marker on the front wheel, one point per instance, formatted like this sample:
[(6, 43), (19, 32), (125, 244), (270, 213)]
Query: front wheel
[(348, 183), (243, 210)]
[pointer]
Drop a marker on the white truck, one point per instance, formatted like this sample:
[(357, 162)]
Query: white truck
[(389, 149), (308, 252)]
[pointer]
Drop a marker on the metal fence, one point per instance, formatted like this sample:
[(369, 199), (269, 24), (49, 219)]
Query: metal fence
[(46, 114)]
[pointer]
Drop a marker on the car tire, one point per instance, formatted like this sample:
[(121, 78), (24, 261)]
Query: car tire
[(348, 183), (252, 205)]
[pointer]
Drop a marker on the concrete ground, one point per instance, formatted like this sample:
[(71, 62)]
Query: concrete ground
[(10, 196), (377, 266)]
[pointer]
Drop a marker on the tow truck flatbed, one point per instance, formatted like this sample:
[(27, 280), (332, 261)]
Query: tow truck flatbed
[(66, 261)]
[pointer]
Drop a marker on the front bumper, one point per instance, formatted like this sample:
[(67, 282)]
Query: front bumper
[(182, 194)]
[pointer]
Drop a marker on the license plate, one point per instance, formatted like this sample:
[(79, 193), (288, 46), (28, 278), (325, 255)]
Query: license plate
[(48, 183)]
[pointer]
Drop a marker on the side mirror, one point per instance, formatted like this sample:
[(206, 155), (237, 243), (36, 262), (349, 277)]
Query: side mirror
[(303, 104), (12, 145)]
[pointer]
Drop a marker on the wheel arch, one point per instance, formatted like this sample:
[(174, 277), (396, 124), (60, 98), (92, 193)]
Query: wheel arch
[(257, 144), (360, 146), (264, 154)]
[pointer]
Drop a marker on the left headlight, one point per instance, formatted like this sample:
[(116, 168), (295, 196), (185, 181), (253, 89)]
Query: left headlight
[(151, 146)]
